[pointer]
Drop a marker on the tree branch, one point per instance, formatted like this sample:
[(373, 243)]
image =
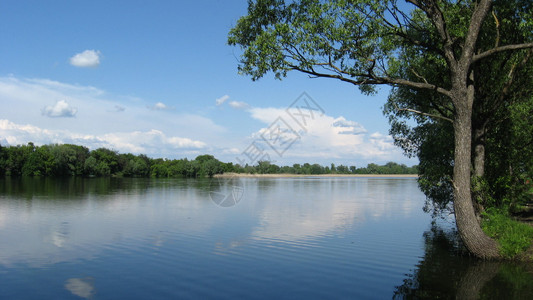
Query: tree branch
[(418, 85), (422, 113), (433, 12), (501, 49), (497, 42), (418, 76), (398, 29), (369, 78), (481, 10)]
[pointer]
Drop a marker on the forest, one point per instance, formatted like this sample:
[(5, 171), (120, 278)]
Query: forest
[(59, 160)]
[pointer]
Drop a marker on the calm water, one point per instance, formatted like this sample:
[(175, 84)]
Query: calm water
[(327, 238)]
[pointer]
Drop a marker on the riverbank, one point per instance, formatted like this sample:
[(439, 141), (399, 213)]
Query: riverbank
[(248, 175)]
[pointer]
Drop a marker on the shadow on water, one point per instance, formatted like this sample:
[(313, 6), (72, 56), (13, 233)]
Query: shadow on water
[(447, 272)]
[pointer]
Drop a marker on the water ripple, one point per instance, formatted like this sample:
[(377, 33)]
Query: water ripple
[(325, 239)]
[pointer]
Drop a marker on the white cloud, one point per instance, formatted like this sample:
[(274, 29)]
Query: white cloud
[(233, 104), (98, 123), (26, 99), (221, 100), (349, 127), (58, 110), (153, 141), (150, 142), (381, 141), (268, 114), (47, 87), (232, 151), (86, 59), (15, 134), (238, 105), (324, 137), (160, 106)]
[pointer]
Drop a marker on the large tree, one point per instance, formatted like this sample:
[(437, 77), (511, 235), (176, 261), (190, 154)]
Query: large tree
[(501, 130), (362, 41)]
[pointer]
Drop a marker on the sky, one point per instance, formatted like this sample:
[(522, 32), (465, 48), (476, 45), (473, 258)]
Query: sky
[(158, 78)]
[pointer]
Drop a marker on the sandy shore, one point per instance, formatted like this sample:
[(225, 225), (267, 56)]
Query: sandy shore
[(246, 175)]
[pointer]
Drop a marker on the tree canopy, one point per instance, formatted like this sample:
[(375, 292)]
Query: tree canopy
[(364, 42)]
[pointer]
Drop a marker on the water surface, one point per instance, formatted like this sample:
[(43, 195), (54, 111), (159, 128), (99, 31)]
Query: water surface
[(121, 238)]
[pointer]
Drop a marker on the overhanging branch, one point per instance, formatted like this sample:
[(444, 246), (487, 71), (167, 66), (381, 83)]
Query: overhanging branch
[(501, 49), (370, 78), (419, 85)]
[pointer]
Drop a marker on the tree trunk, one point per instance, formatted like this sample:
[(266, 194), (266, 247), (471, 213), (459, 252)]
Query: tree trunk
[(477, 242), (479, 128), (479, 151), (479, 169), (478, 144)]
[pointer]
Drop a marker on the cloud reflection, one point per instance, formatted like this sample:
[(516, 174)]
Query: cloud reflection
[(319, 208), (284, 209), (81, 287), (322, 207)]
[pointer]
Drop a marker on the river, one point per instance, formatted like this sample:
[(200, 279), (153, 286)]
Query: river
[(247, 238)]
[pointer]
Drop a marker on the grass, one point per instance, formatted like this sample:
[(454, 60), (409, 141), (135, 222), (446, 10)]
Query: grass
[(514, 237)]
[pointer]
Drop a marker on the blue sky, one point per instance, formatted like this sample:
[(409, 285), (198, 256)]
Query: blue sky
[(157, 77)]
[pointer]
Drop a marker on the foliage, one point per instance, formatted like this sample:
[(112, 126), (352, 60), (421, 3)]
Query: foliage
[(265, 167), (510, 164), (72, 160), (502, 125), (514, 237), (338, 38)]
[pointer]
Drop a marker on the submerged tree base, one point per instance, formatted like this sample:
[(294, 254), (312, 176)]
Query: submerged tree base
[(447, 271)]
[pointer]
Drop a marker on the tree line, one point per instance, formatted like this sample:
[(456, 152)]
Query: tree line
[(60, 160)]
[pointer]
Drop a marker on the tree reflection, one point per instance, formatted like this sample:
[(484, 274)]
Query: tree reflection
[(55, 188), (447, 272)]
